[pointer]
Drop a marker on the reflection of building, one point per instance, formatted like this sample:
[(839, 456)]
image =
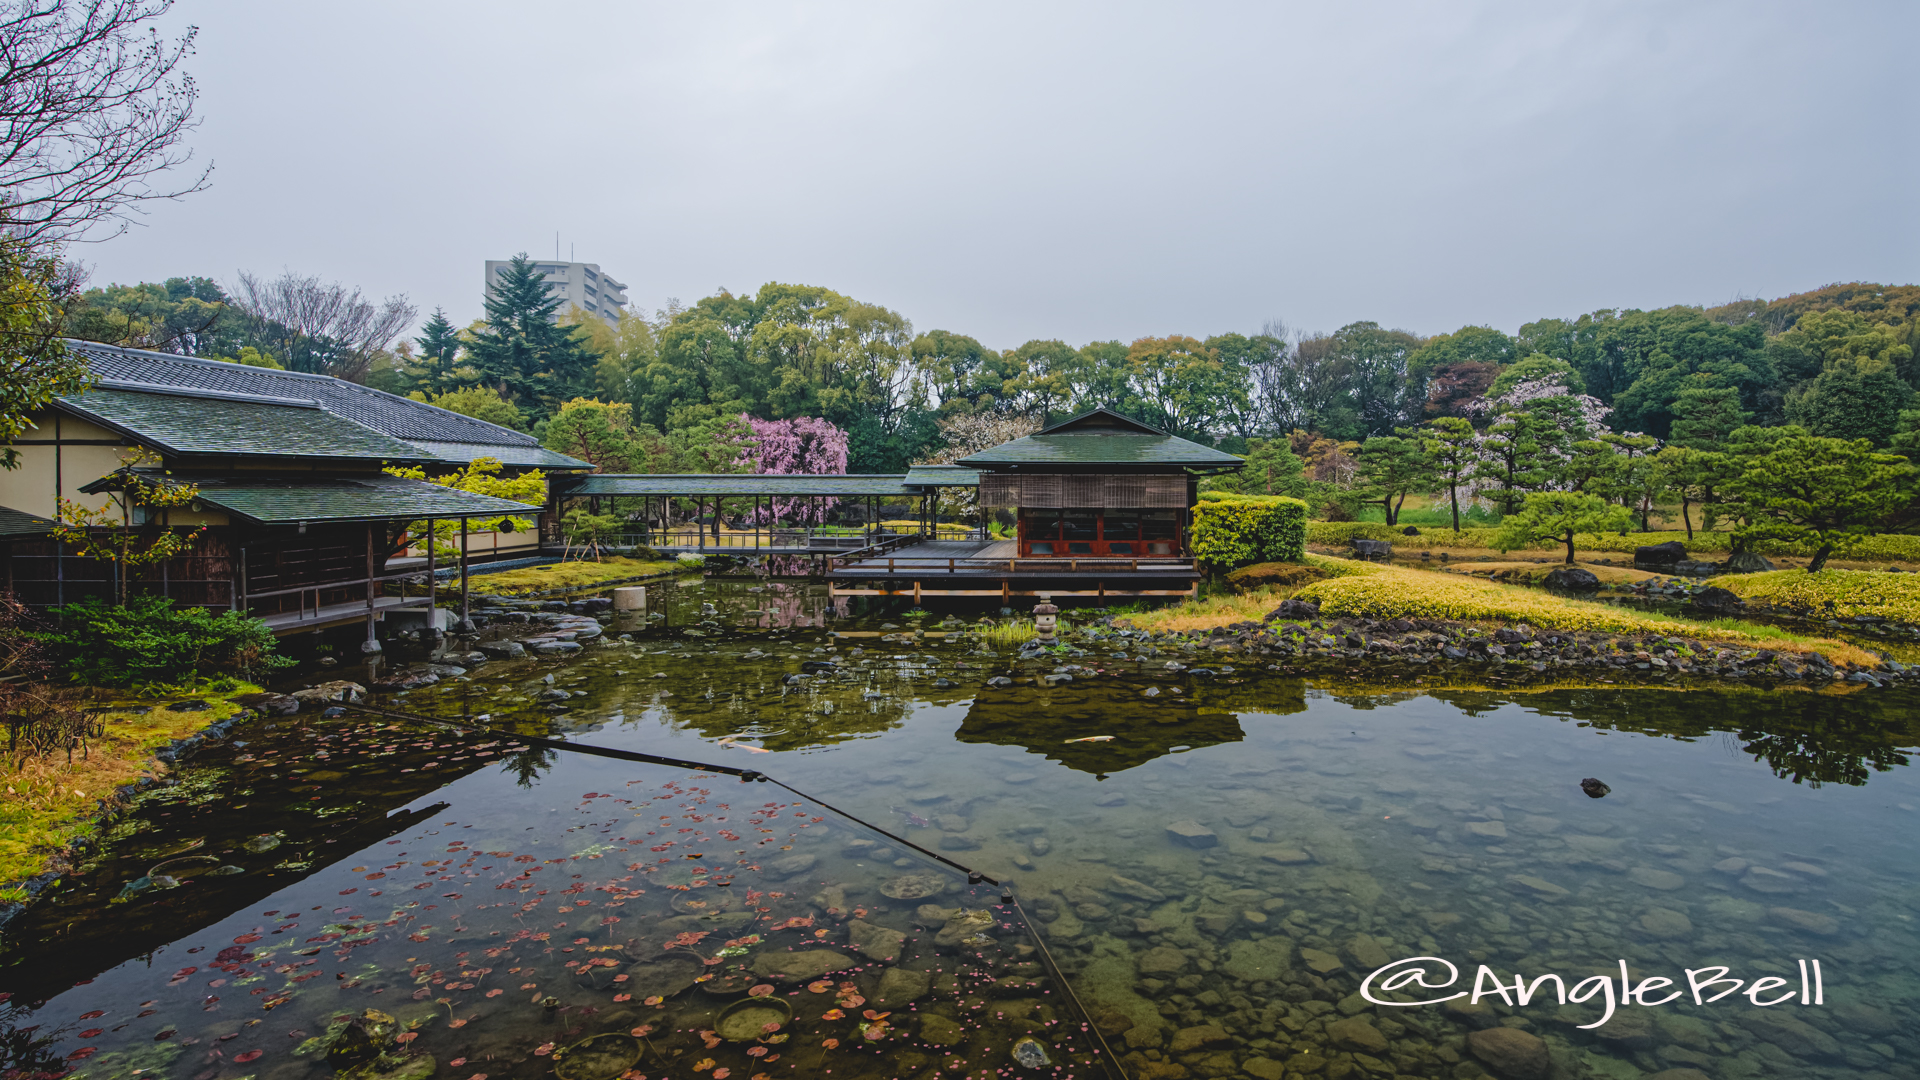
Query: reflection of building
[(581, 284), (1044, 720)]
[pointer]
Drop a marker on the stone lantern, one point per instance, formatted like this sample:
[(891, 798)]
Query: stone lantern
[(1045, 618)]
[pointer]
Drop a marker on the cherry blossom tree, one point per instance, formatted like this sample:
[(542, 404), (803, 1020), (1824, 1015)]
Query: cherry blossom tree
[(800, 446)]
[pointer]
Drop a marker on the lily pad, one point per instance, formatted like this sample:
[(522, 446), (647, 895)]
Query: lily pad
[(745, 1021), (601, 1057)]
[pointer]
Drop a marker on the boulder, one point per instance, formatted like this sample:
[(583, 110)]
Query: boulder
[(1510, 1052), (271, 704), (328, 693), (1667, 554), (1410, 531), (503, 650), (1373, 549), (1715, 598), (1746, 562), (1572, 579), (1295, 609), (900, 987)]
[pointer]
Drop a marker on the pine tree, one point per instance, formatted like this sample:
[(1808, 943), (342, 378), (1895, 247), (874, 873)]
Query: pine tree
[(439, 348), (523, 352)]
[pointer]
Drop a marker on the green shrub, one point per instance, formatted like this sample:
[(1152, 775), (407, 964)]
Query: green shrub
[(1231, 531), (150, 640)]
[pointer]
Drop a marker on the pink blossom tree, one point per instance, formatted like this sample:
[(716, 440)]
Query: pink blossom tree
[(803, 445)]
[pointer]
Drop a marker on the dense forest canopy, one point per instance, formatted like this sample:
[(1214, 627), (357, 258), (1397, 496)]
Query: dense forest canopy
[(1838, 361)]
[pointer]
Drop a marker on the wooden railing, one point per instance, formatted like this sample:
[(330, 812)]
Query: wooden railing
[(871, 560)]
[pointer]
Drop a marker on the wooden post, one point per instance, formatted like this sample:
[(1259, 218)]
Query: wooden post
[(433, 588), (372, 644), (466, 609)]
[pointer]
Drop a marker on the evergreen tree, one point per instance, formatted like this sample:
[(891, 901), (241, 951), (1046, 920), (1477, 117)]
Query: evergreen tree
[(522, 351), (439, 347)]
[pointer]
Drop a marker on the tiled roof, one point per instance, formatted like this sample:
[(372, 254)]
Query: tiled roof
[(18, 523), (740, 484), (538, 457), (391, 415), (941, 476), (232, 425), (371, 498), (1091, 448)]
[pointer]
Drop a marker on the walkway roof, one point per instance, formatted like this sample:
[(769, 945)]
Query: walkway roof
[(694, 485)]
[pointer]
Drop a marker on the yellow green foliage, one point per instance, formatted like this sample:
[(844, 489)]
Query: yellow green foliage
[(1390, 592), (569, 575), (1838, 593), (46, 803), (1236, 530)]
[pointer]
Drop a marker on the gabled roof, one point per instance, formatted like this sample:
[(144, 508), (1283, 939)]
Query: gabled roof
[(398, 418), (1101, 422), (1101, 437), (191, 423)]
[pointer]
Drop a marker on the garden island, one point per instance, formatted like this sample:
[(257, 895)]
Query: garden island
[(765, 689)]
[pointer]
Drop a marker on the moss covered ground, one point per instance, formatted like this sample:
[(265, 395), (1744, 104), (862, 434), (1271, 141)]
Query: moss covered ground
[(1535, 572), (1882, 548), (49, 802), (1832, 593), (1373, 591), (577, 574)]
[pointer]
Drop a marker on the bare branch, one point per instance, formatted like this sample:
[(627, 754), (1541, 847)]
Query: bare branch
[(93, 108), (321, 327)]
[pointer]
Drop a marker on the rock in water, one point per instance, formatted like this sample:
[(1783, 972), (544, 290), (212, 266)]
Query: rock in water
[(1191, 833), (1373, 549), (1030, 1054), (1594, 788), (1573, 579), (1510, 1052)]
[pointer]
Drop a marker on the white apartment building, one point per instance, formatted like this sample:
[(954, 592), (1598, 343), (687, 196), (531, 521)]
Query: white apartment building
[(580, 284)]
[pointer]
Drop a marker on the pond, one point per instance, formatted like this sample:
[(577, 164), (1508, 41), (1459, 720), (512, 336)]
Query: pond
[(1208, 868)]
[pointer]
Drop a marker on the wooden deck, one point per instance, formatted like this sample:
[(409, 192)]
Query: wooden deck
[(294, 622), (976, 569)]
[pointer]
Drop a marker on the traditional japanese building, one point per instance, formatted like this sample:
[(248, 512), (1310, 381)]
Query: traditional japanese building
[(1102, 505), (299, 521)]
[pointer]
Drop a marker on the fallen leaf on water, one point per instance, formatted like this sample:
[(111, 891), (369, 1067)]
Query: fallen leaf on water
[(251, 1055)]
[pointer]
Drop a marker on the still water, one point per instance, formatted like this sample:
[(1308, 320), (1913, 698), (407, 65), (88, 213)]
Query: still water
[(1215, 874)]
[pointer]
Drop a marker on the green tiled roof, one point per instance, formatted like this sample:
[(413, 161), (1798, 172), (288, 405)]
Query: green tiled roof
[(368, 498), (1091, 448), (18, 523), (236, 425), (941, 476), (740, 484), (537, 457)]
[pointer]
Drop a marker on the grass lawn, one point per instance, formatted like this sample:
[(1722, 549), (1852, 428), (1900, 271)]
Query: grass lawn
[(49, 803), (569, 575)]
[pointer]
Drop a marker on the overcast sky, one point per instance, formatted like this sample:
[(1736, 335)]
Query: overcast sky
[(1053, 170)]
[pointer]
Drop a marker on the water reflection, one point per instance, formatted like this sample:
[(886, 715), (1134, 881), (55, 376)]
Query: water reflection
[(1215, 879)]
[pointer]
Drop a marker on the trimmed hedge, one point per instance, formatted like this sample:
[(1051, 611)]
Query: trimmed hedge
[(1231, 531)]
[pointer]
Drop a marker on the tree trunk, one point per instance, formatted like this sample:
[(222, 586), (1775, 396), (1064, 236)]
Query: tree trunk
[(1396, 507), (1684, 516), (1386, 508), (1820, 559), (1453, 494), (1569, 539)]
